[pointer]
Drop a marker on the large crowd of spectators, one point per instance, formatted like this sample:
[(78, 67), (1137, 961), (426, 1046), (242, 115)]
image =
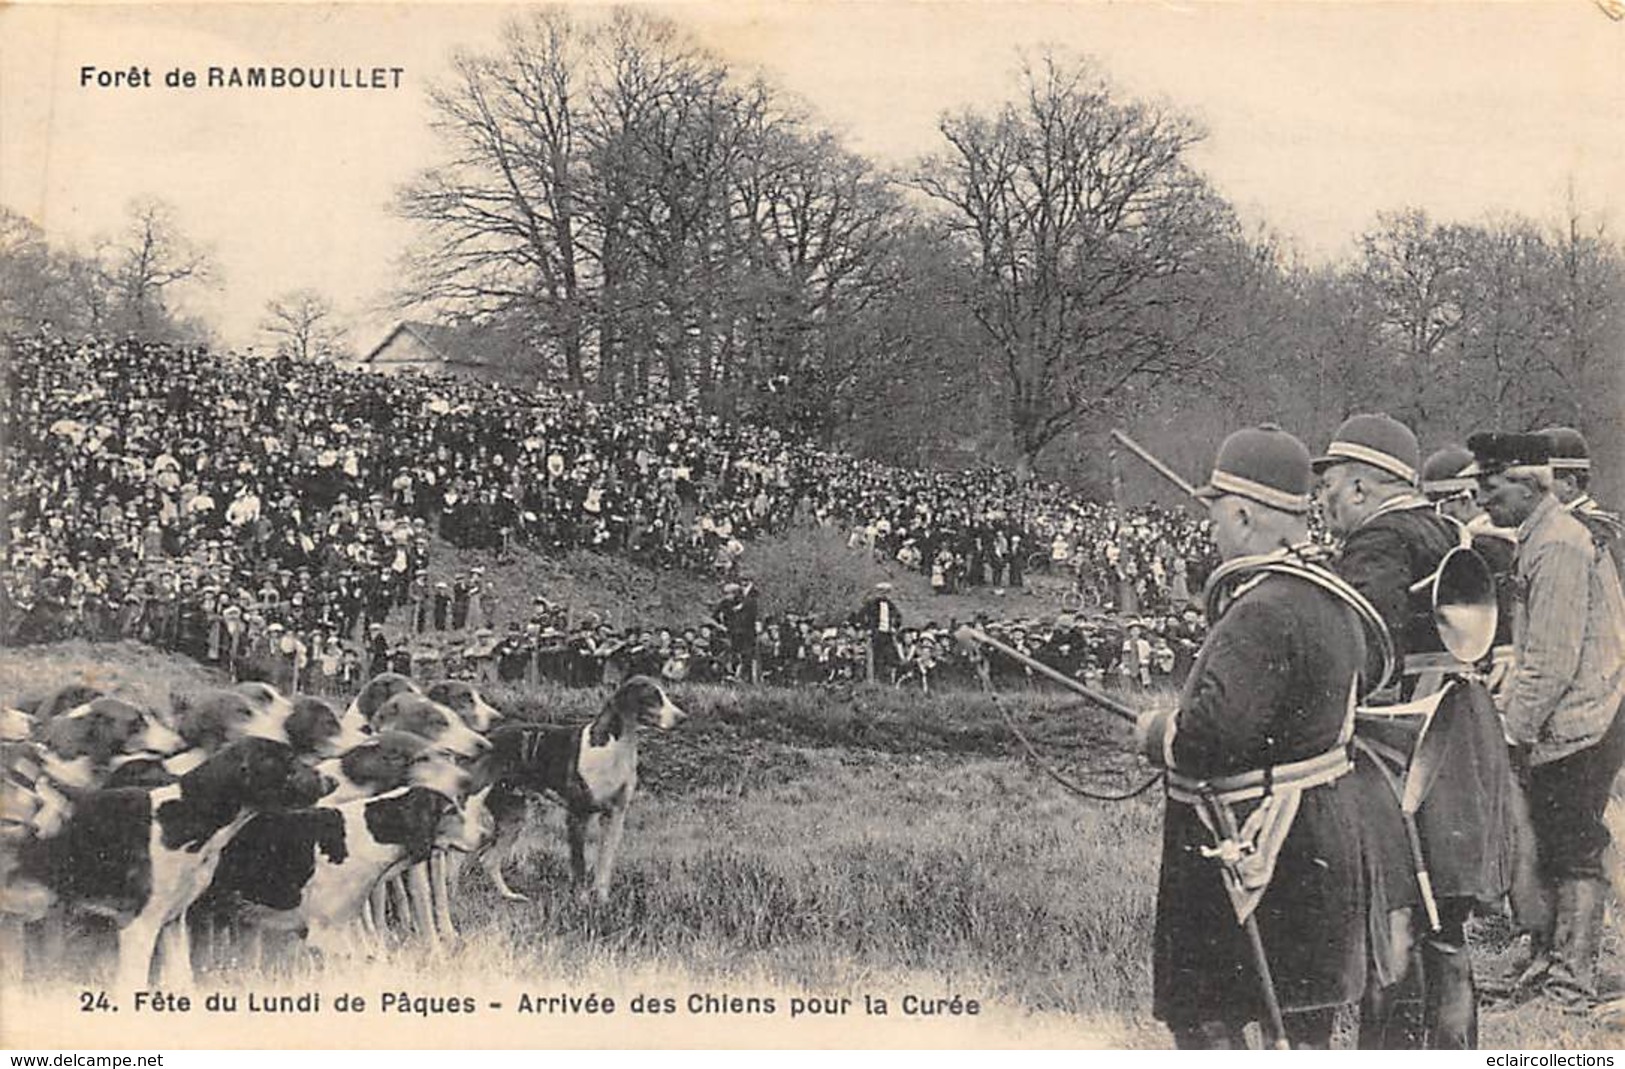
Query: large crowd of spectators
[(271, 517)]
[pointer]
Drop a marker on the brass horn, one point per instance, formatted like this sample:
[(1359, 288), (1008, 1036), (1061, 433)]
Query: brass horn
[(1462, 591)]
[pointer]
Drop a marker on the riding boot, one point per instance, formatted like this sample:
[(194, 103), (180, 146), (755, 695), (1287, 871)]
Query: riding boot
[(1522, 976), (1572, 981), (1395, 1017), (1452, 1000)]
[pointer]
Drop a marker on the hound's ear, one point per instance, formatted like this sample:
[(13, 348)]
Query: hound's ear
[(221, 776), (408, 820), (67, 738), (330, 835), (208, 800)]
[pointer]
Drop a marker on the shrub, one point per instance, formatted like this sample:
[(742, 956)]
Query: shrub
[(809, 570)]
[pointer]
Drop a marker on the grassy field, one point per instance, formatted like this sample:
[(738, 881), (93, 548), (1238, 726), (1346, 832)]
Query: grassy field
[(798, 844)]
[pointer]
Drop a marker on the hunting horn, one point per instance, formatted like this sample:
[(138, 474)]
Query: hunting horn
[(968, 637), (1462, 592), (1156, 465)]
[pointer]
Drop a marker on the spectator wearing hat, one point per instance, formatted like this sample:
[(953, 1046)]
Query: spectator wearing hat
[(461, 591), (480, 655), (377, 650), (1137, 656), (1270, 690), (479, 599), (442, 605), (1561, 706)]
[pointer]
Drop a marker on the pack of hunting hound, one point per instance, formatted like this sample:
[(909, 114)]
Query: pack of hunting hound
[(239, 828)]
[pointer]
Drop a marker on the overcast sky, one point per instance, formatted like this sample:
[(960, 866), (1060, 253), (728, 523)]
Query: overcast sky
[(1319, 114)]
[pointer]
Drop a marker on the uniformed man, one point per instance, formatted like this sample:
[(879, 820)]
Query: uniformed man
[(1392, 542), (1270, 701), (1561, 706)]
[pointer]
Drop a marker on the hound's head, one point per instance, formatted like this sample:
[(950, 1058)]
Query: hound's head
[(210, 720), (379, 689), (469, 827), (640, 699), (20, 801), (439, 771), (256, 773), (314, 729), (96, 734), (466, 702), (271, 711), (417, 715)]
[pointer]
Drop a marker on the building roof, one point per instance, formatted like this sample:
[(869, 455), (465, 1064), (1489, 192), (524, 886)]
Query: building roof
[(464, 346)]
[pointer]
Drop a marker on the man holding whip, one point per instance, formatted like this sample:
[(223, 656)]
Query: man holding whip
[(1261, 901)]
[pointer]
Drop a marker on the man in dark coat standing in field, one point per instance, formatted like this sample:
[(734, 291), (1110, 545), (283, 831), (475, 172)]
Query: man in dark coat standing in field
[(881, 621), (1259, 742), (1392, 542)]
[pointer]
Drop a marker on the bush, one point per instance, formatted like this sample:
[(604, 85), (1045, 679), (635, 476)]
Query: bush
[(810, 571)]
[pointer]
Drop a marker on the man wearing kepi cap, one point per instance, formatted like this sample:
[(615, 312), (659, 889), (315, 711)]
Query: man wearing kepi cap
[(1259, 742), (1562, 703), (1389, 534), (1392, 544)]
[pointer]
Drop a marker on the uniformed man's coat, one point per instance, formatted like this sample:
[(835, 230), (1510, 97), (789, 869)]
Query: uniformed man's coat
[(1271, 686)]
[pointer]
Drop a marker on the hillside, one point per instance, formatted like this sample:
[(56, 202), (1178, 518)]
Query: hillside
[(807, 570)]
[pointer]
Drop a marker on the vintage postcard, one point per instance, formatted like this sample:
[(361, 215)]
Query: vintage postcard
[(677, 525)]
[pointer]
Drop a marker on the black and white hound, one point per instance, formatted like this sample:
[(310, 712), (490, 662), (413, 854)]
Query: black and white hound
[(46, 770), (142, 857), (591, 770), (312, 870), (393, 703)]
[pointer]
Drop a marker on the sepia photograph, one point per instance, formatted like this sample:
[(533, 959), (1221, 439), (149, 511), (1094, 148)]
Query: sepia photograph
[(847, 524)]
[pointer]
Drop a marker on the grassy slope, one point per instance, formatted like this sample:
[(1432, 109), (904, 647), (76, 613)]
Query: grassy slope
[(622, 592), (834, 842)]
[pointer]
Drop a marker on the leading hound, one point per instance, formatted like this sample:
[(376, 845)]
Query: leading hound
[(591, 770)]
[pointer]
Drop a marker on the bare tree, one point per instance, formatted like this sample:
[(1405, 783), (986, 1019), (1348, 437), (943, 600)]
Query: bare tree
[(145, 261), (663, 226), (500, 213), (304, 325), (1413, 271), (1081, 216)]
